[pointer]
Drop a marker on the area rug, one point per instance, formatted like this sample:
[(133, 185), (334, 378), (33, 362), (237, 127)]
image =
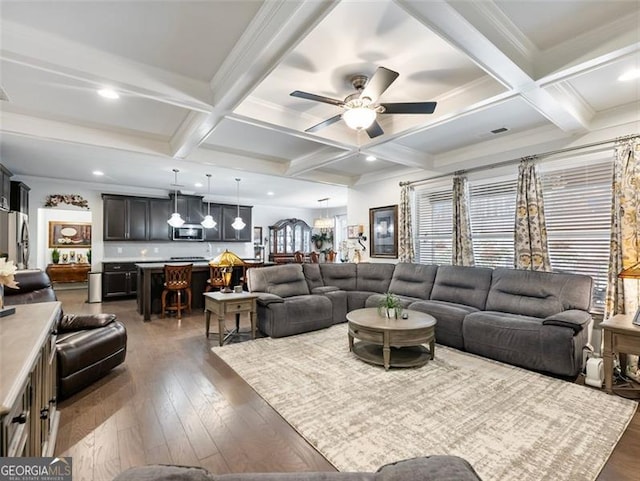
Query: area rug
[(509, 423)]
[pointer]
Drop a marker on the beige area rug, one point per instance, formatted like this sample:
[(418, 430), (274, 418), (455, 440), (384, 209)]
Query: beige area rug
[(509, 423)]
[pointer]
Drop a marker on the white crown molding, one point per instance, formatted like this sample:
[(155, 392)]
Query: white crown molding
[(39, 50), (54, 130), (384, 175), (601, 45)]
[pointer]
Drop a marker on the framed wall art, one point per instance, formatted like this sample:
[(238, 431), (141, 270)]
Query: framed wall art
[(69, 234), (383, 232), (354, 231)]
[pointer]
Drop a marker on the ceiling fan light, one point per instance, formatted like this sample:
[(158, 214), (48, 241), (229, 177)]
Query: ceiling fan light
[(359, 118), (208, 222), (175, 220), (238, 224)]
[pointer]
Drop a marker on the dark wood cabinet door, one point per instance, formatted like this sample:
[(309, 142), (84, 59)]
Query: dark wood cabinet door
[(190, 208), (215, 234), (114, 218), (5, 189), (229, 213), (132, 282), (19, 201), (159, 212), (115, 284), (138, 213)]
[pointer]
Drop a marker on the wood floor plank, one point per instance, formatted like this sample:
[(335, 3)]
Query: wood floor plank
[(174, 401)]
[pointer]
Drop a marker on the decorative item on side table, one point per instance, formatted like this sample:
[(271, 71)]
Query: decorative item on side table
[(632, 272), (55, 255), (226, 262), (7, 271), (390, 306)]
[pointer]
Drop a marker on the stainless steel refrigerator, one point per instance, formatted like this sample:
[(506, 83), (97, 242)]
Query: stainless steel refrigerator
[(18, 239)]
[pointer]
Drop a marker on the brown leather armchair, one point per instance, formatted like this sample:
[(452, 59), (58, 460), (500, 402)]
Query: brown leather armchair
[(87, 346)]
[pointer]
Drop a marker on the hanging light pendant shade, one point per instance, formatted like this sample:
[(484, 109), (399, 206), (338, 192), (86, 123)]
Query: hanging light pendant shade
[(175, 220), (208, 222), (238, 223), (324, 222)]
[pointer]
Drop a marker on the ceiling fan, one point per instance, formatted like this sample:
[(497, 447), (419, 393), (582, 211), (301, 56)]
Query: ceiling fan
[(361, 108)]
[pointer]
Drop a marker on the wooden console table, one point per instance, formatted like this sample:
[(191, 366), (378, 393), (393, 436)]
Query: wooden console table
[(621, 336), (68, 272)]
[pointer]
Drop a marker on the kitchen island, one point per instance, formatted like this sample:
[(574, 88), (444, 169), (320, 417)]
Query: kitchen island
[(151, 284)]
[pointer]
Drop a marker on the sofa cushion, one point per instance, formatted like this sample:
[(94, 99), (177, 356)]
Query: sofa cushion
[(413, 280), (159, 472), (297, 314), (449, 317), (462, 285), (313, 275), (373, 277), (285, 280), (537, 294), (429, 468), (342, 276)]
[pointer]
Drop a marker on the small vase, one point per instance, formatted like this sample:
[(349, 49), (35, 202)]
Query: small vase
[(392, 313)]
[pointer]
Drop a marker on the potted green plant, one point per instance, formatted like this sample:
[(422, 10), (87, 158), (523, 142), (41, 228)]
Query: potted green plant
[(55, 256), (390, 306)]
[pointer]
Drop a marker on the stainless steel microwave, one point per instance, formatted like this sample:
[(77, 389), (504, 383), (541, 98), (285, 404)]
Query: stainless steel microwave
[(188, 232)]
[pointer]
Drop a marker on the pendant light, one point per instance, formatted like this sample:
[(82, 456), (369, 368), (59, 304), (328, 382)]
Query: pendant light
[(175, 220), (324, 222), (238, 223), (208, 222)]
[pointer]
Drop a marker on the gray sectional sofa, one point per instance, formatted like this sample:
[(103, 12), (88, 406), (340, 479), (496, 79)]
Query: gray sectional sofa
[(428, 468), (537, 320)]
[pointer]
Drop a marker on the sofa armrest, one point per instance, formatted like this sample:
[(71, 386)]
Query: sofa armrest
[(324, 289), (264, 298), (77, 322), (429, 468), (573, 319)]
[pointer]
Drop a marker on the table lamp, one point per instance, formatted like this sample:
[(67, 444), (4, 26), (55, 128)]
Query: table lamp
[(226, 261), (632, 272)]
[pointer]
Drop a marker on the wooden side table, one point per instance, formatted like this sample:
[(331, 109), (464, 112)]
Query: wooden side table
[(620, 337), (68, 272), (222, 304)]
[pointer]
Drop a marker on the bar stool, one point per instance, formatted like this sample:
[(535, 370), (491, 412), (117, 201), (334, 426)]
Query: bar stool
[(216, 278), (177, 278)]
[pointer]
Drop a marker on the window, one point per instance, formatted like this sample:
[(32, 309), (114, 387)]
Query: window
[(577, 208), (577, 204)]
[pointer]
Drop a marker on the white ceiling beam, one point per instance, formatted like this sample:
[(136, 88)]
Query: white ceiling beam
[(402, 155), (36, 127), (447, 22), (318, 159), (42, 51), (276, 30)]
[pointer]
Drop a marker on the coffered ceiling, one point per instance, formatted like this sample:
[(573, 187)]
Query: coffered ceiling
[(204, 87)]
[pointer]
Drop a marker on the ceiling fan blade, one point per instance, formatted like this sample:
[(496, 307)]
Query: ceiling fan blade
[(324, 123), (374, 130), (409, 108), (380, 82), (317, 98)]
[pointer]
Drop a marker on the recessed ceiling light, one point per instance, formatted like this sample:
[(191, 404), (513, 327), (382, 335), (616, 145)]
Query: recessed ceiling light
[(198, 184), (630, 75), (371, 158), (98, 172), (270, 193), (108, 94)]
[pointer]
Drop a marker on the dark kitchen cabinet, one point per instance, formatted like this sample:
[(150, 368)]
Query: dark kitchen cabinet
[(159, 212), (125, 218), (190, 208), (5, 187), (19, 199), (229, 213), (119, 279), (214, 234)]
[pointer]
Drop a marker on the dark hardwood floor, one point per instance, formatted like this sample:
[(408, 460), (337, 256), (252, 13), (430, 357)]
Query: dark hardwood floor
[(173, 401)]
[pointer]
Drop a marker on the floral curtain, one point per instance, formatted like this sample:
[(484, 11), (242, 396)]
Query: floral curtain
[(405, 234), (623, 296), (530, 234), (462, 243)]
